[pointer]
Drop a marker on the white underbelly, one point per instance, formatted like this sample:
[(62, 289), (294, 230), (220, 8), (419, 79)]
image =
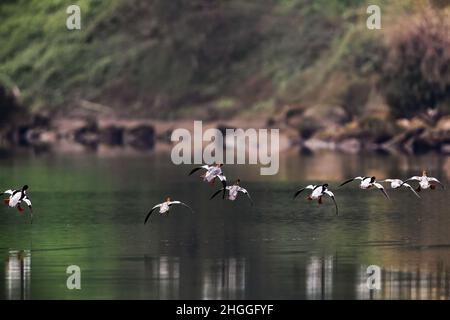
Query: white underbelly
[(14, 200), (316, 194), (164, 208), (232, 196), (424, 184), (395, 185), (210, 176)]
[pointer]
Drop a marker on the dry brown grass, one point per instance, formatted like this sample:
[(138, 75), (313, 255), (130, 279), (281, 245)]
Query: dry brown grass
[(416, 74)]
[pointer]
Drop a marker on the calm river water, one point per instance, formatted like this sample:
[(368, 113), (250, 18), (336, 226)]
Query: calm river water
[(89, 212)]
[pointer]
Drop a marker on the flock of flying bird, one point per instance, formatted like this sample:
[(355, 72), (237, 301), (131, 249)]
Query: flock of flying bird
[(212, 173), (231, 192)]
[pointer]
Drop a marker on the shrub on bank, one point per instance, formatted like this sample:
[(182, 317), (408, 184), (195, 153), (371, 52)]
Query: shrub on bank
[(9, 107), (416, 74)]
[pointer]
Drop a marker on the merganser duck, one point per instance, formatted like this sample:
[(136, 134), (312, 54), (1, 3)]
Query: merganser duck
[(318, 191), (367, 183), (212, 172), (425, 182), (165, 207), (16, 197), (397, 183), (233, 192)]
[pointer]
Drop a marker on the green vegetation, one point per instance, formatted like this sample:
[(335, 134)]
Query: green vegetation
[(417, 73), (9, 108), (209, 59)]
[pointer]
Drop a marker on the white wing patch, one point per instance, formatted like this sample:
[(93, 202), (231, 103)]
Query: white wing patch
[(27, 201), (329, 193), (242, 190), (157, 206)]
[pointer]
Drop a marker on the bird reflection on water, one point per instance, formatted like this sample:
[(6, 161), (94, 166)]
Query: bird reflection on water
[(18, 275), (226, 250)]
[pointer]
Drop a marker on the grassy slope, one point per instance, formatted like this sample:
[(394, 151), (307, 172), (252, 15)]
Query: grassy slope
[(185, 58)]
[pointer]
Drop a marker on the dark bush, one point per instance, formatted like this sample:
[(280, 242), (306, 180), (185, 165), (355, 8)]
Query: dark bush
[(9, 106), (308, 127), (355, 98), (376, 129), (416, 75)]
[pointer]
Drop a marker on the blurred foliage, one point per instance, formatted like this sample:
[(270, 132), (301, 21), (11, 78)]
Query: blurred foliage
[(376, 129), (184, 58), (416, 75), (9, 107)]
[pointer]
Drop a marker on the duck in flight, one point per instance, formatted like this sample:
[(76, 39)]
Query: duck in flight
[(425, 182), (165, 207), (15, 199), (367, 183), (212, 172), (232, 191), (397, 183), (318, 191)]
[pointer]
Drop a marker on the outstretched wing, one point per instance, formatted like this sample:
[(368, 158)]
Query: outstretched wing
[(10, 192), (206, 167), (414, 178), (244, 191), (217, 192), (350, 180), (183, 204), (151, 211), (331, 195), (28, 202), (387, 180), (431, 179), (223, 180), (381, 188), (407, 185), (312, 187)]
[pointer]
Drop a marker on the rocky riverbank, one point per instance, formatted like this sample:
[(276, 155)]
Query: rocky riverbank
[(376, 132), (414, 136)]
